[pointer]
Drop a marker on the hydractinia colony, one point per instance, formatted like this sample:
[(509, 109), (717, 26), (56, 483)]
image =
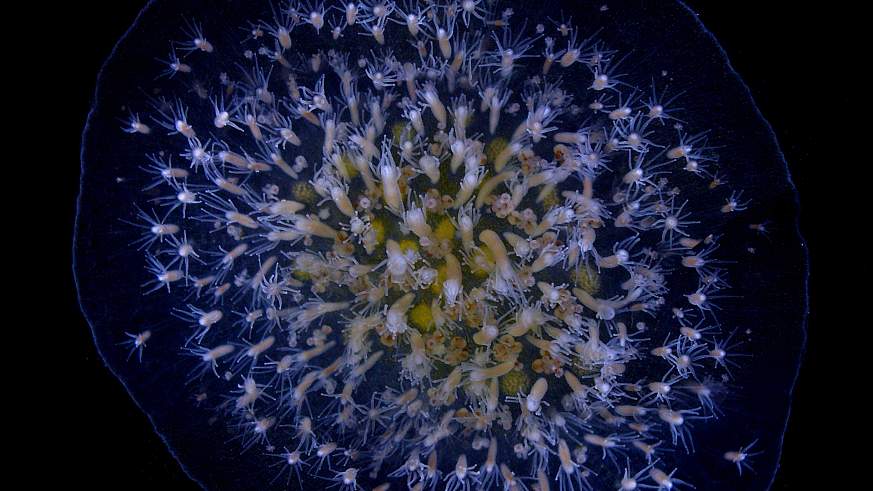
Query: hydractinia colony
[(426, 244)]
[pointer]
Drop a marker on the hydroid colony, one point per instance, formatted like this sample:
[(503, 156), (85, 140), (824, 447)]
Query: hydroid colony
[(439, 247)]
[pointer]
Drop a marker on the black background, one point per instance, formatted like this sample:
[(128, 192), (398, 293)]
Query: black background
[(790, 58)]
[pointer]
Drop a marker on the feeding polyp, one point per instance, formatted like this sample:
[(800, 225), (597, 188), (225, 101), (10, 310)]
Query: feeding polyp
[(432, 244)]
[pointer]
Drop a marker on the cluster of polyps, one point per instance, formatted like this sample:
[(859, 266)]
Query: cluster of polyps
[(438, 243)]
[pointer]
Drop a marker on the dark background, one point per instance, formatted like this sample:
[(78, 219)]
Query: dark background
[(786, 56)]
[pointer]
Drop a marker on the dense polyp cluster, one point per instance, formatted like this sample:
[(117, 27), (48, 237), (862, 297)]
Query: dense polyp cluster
[(431, 245)]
